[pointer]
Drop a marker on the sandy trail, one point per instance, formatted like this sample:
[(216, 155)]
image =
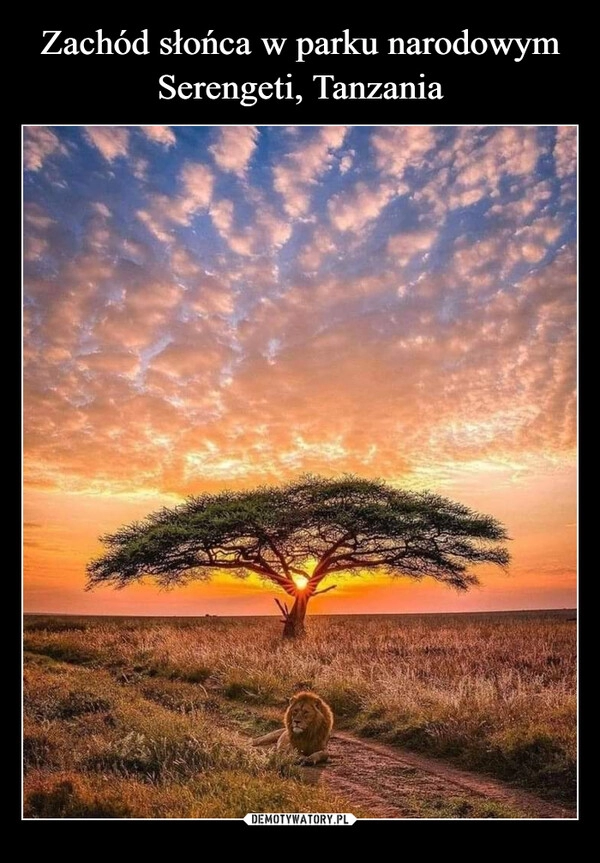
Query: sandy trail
[(389, 782)]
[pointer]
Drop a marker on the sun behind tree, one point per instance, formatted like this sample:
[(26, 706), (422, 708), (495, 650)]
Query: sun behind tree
[(298, 534)]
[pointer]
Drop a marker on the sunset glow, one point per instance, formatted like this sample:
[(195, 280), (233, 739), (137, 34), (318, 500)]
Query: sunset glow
[(209, 308)]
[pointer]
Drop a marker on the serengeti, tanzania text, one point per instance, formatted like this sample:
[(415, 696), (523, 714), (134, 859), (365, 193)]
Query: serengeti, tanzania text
[(249, 92)]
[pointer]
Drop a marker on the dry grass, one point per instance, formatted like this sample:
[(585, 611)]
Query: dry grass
[(492, 692), (95, 746)]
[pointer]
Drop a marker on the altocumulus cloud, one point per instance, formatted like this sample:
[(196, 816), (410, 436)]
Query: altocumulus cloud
[(207, 306)]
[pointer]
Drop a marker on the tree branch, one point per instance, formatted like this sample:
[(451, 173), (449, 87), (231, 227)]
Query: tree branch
[(325, 589), (275, 551), (286, 583), (321, 567), (283, 610), (359, 564)]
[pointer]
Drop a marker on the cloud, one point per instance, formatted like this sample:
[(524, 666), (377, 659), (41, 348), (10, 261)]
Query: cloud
[(212, 295), (354, 209), (346, 161), (532, 197), (534, 240), (565, 151), (39, 144), (195, 352), (196, 186), (141, 316), (34, 247), (419, 377), (403, 247), (221, 213), (414, 342), (313, 253), (295, 176), (38, 227), (36, 217), (491, 381), (508, 150), (139, 168), (265, 232), (400, 147), (111, 362), (490, 262), (471, 168), (111, 141), (160, 135), (101, 208), (197, 181), (234, 148)]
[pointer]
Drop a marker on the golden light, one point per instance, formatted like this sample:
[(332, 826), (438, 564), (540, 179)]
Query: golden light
[(300, 581)]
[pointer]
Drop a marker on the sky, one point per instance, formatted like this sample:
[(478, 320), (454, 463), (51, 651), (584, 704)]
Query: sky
[(225, 307)]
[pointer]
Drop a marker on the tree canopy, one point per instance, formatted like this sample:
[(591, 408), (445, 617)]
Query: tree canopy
[(297, 534)]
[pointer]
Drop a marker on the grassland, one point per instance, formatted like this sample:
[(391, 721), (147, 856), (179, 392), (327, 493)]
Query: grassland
[(149, 717)]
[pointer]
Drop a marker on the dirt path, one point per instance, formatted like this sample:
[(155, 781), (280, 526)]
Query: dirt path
[(392, 783)]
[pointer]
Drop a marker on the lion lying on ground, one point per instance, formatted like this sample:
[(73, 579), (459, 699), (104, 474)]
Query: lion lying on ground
[(308, 722)]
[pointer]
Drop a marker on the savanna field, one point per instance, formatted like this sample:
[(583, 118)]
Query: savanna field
[(152, 717)]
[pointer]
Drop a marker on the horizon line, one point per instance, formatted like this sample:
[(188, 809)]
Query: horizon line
[(348, 614)]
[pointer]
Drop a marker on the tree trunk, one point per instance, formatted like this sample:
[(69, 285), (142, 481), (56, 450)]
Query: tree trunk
[(294, 622)]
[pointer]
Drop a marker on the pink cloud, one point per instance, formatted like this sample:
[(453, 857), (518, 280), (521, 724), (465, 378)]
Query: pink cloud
[(111, 141), (565, 151), (101, 208), (346, 161), (196, 186), (139, 168), (399, 147), (354, 209), (160, 135), (221, 213), (403, 247), (312, 255), (211, 295), (300, 169), (34, 247), (265, 233), (36, 217), (39, 144), (234, 147), (472, 166)]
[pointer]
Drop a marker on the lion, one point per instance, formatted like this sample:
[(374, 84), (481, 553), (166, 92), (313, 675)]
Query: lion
[(308, 723)]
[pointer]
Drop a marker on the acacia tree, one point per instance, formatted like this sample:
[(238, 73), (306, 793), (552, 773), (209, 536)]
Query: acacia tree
[(296, 535)]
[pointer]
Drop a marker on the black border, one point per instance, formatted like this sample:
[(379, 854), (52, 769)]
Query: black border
[(82, 90)]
